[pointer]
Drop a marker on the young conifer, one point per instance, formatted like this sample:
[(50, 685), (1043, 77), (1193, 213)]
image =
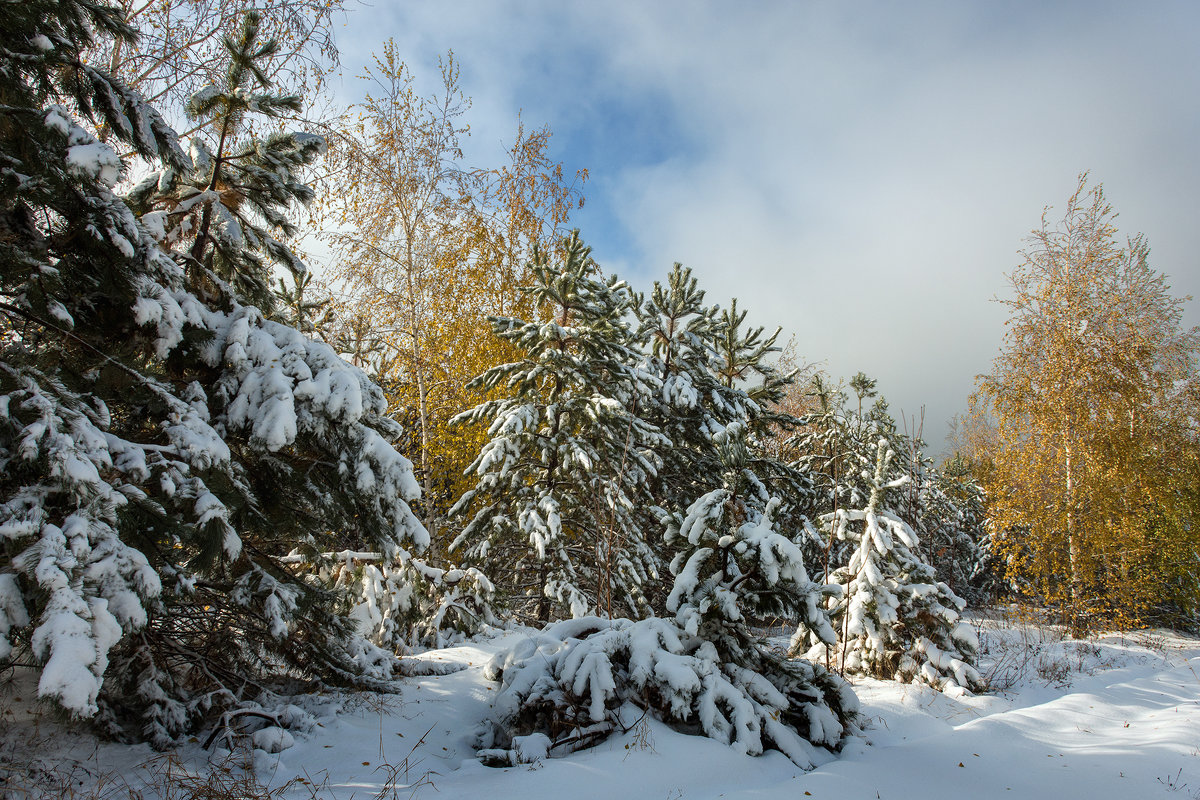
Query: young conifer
[(894, 619), (557, 518), (704, 667)]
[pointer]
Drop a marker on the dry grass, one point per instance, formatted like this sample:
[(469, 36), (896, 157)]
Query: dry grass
[(162, 777), (1017, 646)]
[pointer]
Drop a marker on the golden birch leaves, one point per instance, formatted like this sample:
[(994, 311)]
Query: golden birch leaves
[(1093, 403)]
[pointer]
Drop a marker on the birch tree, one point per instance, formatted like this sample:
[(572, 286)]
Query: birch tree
[(1089, 396), (429, 249), (396, 166)]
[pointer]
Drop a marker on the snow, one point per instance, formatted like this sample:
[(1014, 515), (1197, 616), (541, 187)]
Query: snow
[(95, 160), (12, 611), (304, 139), (272, 739), (205, 95), (1115, 717)]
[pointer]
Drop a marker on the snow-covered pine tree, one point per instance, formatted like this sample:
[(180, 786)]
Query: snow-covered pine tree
[(72, 584), (680, 332), (866, 425), (965, 555), (837, 445), (406, 603), (678, 335), (558, 516), (945, 515), (733, 565), (241, 188), (824, 443), (705, 668), (714, 372), (946, 530), (894, 619), (742, 357), (161, 450), (746, 368)]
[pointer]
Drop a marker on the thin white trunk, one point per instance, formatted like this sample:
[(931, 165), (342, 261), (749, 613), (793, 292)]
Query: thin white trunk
[(1072, 537), (418, 368)]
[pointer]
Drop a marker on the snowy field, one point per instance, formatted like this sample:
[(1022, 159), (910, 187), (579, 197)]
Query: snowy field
[(1113, 717)]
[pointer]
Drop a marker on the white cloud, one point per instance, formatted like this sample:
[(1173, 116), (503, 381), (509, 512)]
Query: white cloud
[(862, 175)]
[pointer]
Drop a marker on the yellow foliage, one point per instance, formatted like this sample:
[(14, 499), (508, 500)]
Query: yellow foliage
[(1093, 446), (430, 250)]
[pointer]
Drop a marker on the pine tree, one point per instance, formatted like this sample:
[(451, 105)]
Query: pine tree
[(835, 446), (731, 562), (714, 373), (406, 603), (70, 252), (163, 446), (557, 515), (945, 513), (240, 188), (964, 552), (894, 619), (733, 565), (179, 47), (679, 332), (746, 367), (837, 441), (313, 318), (704, 667)]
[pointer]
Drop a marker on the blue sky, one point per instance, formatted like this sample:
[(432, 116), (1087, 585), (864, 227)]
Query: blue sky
[(860, 173)]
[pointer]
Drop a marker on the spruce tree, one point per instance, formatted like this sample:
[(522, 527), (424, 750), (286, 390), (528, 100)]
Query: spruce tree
[(163, 445), (557, 518)]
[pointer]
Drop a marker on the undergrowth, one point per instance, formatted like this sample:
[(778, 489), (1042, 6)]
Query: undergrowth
[(1018, 646), (36, 763)]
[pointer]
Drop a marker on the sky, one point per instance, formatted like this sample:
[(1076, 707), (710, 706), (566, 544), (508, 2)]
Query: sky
[(862, 174)]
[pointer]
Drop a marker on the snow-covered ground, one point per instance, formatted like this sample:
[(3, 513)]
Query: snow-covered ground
[(1113, 717)]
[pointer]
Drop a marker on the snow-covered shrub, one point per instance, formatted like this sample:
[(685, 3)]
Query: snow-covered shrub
[(894, 619), (569, 683), (704, 670)]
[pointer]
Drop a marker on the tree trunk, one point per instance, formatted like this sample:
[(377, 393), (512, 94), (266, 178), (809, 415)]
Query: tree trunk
[(426, 472), (543, 606), (1073, 548), (414, 288)]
